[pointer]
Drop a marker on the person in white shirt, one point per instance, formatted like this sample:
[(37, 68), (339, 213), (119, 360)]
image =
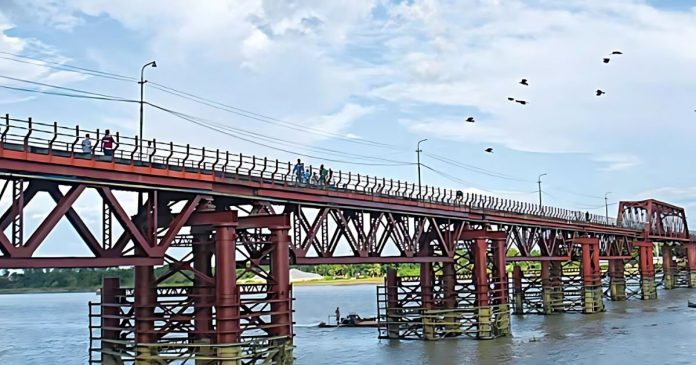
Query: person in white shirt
[(86, 144)]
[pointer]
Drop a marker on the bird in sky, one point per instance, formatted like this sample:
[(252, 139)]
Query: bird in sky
[(489, 150), (617, 52), (511, 99), (606, 60), (523, 102), (524, 82), (600, 92), (470, 119)]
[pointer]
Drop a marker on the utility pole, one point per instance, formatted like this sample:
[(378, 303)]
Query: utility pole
[(539, 182), (606, 205), (418, 151), (142, 103)]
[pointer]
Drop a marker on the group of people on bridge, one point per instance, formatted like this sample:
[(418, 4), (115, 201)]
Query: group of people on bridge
[(106, 144), (306, 176)]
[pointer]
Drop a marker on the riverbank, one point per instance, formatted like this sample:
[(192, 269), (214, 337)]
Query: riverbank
[(332, 282)]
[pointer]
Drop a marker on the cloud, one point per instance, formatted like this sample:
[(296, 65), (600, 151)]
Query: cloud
[(617, 162)]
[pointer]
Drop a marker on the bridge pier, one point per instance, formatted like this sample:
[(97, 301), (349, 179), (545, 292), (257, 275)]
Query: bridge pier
[(145, 302), (517, 290), (393, 313), (280, 294), (203, 291), (691, 263), (110, 335), (646, 267), (591, 275), (617, 280), (426, 285), (668, 268)]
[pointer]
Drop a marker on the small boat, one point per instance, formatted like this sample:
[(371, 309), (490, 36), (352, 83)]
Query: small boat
[(691, 303), (353, 320)]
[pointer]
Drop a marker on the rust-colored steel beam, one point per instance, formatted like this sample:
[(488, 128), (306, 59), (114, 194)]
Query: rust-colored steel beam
[(76, 262)]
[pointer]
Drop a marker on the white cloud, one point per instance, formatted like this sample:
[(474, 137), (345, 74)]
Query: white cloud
[(617, 162)]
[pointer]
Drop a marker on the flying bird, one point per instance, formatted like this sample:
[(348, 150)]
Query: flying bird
[(524, 82), (489, 150), (600, 92), (523, 102), (606, 60), (511, 99), (617, 52), (470, 119)]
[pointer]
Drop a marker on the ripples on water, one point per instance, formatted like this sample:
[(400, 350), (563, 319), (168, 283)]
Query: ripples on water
[(52, 329)]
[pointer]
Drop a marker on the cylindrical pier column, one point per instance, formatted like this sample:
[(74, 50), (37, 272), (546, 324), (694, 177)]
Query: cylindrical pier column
[(617, 280), (481, 283), (500, 296), (518, 293), (449, 301), (393, 310), (281, 314), (145, 302), (691, 263), (203, 292), (110, 291), (426, 284), (591, 276), (227, 293), (557, 299), (667, 268), (647, 270)]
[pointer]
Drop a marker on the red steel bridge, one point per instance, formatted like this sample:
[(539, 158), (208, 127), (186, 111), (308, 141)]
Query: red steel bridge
[(218, 217)]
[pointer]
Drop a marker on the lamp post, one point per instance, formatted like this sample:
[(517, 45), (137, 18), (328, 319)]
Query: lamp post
[(142, 103), (606, 205), (539, 182), (418, 151)]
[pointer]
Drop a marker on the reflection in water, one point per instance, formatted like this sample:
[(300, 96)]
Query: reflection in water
[(52, 329)]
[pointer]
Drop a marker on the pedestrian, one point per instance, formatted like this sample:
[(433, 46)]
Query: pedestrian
[(323, 175), (107, 144), (338, 316), (87, 144), (307, 176), (315, 179), (298, 171), (460, 195), (587, 216)]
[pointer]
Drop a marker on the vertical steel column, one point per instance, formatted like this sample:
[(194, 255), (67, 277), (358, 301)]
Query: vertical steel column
[(617, 280), (667, 268), (393, 310), (591, 275), (557, 296), (480, 277), (691, 263), (202, 292), (518, 293), (647, 270), (110, 291), (145, 302), (547, 287), (227, 292), (449, 300), (281, 315), (501, 303), (426, 284)]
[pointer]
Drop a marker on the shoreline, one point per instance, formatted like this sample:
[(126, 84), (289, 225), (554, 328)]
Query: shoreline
[(327, 282)]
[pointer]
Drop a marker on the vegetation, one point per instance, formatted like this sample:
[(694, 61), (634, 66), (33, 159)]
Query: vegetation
[(91, 278)]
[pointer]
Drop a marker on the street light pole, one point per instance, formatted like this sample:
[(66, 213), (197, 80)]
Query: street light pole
[(142, 103), (418, 151), (539, 182), (606, 205)]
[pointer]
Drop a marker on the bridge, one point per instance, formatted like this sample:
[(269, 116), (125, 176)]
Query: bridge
[(217, 217)]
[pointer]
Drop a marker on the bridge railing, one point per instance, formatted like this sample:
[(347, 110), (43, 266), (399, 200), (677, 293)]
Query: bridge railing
[(51, 138)]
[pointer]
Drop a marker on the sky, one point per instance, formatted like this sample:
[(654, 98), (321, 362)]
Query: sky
[(351, 73)]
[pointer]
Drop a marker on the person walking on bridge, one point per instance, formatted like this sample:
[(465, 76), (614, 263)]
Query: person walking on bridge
[(107, 144), (87, 144), (298, 171)]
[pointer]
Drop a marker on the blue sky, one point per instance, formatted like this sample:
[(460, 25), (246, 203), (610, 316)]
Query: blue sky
[(396, 72)]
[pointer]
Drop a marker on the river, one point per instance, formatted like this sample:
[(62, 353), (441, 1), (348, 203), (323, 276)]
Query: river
[(52, 329)]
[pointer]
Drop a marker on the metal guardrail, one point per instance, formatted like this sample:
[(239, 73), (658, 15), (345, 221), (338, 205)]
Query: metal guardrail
[(28, 135)]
